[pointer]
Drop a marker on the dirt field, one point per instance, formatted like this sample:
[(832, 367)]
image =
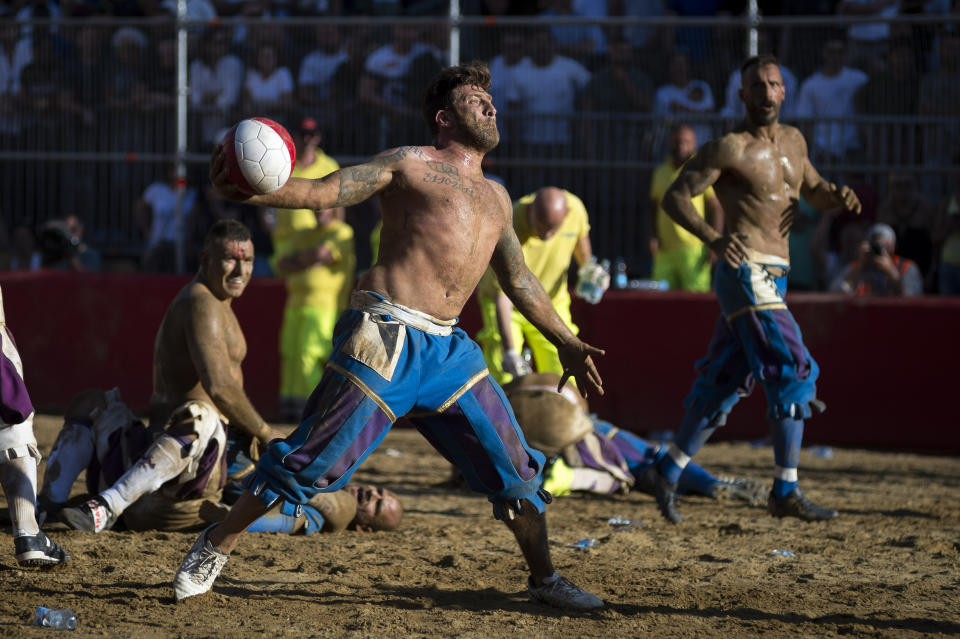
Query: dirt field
[(889, 566)]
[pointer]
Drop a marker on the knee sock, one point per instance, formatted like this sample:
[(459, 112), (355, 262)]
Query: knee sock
[(163, 461), (694, 433), (787, 438), (694, 480), (71, 455), (18, 477), (276, 522)]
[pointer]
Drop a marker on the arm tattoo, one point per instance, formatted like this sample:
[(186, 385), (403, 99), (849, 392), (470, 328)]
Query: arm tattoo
[(357, 183), (516, 280)]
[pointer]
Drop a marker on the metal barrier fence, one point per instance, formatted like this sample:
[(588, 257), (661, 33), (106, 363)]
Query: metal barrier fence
[(90, 120)]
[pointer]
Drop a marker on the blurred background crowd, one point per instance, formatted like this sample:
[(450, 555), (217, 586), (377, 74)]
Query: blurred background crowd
[(588, 93)]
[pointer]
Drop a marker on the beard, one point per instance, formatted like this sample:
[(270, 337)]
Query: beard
[(758, 114), (478, 136)]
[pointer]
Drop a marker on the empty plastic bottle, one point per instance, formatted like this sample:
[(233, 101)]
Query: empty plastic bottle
[(649, 285), (59, 619)]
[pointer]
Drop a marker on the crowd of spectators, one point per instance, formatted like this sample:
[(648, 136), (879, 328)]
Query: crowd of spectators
[(573, 92)]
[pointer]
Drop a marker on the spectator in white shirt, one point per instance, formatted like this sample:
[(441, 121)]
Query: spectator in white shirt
[(868, 41), (268, 87), (684, 97), (828, 95), (215, 81)]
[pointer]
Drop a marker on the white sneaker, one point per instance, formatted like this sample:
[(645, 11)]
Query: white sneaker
[(560, 593), (200, 568)]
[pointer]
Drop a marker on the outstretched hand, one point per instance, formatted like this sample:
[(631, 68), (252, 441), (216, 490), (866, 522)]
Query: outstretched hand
[(220, 176), (730, 248), (577, 361), (845, 197)]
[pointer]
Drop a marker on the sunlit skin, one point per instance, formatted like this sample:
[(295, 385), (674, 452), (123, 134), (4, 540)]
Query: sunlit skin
[(758, 171), (228, 272), (200, 347), (444, 223)]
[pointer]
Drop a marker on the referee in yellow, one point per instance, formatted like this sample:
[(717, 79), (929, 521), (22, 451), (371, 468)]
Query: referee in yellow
[(679, 257), (313, 251), (552, 227)]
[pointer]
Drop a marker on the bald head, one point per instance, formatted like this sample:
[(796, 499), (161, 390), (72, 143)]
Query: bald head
[(548, 211), (377, 508)]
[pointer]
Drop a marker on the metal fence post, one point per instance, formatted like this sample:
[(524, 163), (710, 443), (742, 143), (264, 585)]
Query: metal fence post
[(181, 150)]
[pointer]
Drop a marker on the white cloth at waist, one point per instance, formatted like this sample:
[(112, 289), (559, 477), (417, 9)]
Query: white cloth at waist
[(369, 303)]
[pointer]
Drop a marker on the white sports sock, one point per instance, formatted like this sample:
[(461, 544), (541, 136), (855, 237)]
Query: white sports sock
[(71, 454), (19, 480), (162, 462)]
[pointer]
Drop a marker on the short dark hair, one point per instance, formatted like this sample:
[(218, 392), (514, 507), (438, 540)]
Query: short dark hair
[(225, 230), (439, 94), (758, 61)]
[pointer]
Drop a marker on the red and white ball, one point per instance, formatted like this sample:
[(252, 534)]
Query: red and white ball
[(260, 154)]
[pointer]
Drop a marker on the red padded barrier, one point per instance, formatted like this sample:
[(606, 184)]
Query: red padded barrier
[(888, 367)]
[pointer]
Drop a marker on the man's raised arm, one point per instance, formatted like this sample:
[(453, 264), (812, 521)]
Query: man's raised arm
[(208, 352), (528, 296), (345, 187)]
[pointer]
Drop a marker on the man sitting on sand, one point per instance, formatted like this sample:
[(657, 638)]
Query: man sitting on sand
[(157, 476)]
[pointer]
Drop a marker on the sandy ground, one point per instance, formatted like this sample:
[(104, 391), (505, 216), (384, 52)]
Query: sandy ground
[(887, 567)]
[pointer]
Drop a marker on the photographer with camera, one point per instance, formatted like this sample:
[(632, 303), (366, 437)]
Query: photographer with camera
[(878, 270), (62, 247)]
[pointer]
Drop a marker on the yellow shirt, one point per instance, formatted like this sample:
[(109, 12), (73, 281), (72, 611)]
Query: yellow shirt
[(671, 234), (289, 221), (326, 286), (548, 260)]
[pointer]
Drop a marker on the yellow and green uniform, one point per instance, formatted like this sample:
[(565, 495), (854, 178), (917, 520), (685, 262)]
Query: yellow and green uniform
[(682, 259), (549, 261), (315, 296)]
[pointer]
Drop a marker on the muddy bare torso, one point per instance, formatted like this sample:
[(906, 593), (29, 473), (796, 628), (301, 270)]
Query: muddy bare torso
[(175, 376), (441, 223), (759, 186)]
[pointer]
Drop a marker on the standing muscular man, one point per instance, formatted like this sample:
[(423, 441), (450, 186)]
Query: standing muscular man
[(758, 171), (396, 351)]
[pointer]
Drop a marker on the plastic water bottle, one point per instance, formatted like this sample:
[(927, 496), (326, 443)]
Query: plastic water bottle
[(620, 274), (649, 285), (59, 619), (586, 542), (586, 286)]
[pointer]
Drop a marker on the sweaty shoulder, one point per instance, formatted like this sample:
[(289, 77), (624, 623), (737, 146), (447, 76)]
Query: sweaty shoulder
[(195, 300), (723, 151), (503, 200)]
